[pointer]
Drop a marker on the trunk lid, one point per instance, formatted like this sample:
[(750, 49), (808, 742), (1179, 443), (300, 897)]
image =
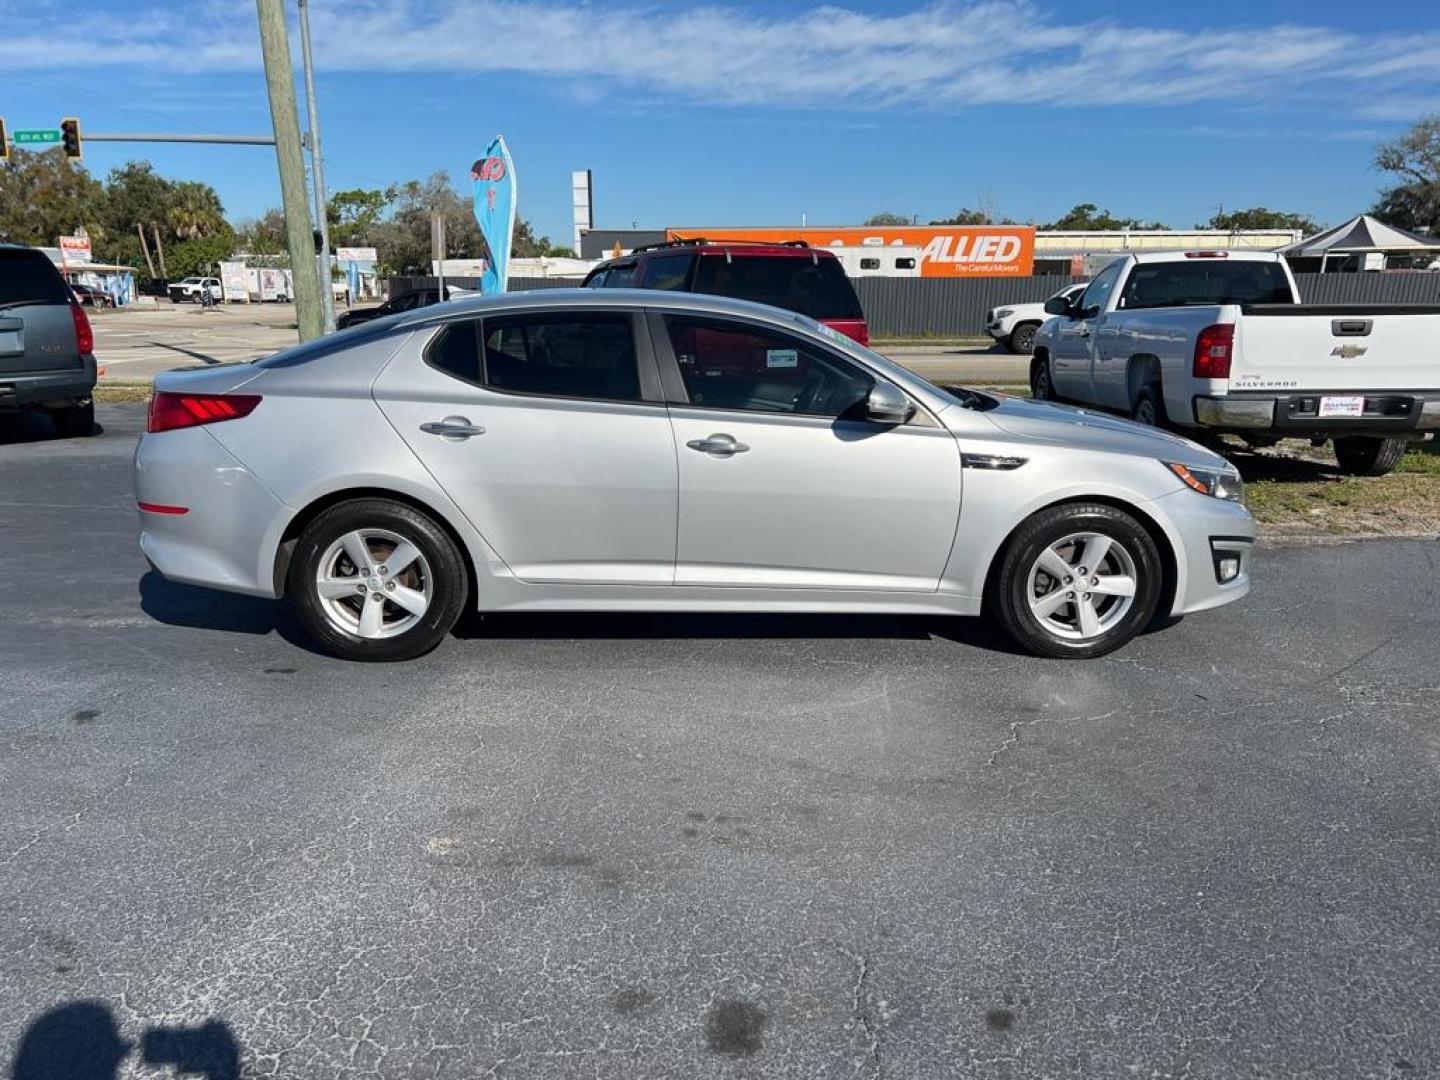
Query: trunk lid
[(1336, 347), (37, 329)]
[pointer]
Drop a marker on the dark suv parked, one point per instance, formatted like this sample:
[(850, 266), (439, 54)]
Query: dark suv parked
[(47, 349), (791, 275)]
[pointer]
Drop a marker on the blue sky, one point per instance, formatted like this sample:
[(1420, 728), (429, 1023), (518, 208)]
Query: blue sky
[(757, 113)]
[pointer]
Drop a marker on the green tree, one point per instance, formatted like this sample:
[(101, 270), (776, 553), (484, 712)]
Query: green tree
[(1087, 217), (264, 235), (1414, 202), (965, 216), (195, 211), (886, 219), (354, 213), (44, 196), (200, 255), (1259, 217)]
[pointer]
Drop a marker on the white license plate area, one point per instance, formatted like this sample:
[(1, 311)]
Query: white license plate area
[(1342, 406)]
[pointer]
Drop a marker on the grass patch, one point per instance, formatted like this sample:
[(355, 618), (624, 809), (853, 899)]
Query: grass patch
[(112, 394), (1296, 490)]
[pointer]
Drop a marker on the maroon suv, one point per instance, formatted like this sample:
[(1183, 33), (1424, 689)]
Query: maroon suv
[(792, 275)]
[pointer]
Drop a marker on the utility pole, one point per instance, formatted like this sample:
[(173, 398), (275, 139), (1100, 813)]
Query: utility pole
[(280, 81), (317, 169)]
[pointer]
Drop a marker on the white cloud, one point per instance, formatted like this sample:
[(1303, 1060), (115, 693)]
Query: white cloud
[(944, 54)]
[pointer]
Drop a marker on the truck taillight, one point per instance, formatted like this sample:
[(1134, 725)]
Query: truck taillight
[(1214, 347), (84, 336), (170, 411)]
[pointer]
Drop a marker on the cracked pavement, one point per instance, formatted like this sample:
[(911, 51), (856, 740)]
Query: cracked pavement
[(608, 846)]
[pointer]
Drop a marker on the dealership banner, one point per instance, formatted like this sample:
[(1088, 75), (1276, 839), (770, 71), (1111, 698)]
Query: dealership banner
[(75, 250), (942, 251), (494, 176)]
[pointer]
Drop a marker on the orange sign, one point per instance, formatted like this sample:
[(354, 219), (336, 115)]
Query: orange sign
[(942, 250)]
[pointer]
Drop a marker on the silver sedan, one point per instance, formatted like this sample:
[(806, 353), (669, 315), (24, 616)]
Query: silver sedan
[(627, 450)]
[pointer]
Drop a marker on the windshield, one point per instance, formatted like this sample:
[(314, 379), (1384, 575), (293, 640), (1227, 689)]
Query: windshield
[(28, 277), (1206, 281)]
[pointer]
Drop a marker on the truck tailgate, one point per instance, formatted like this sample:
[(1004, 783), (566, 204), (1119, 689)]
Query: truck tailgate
[(1336, 347)]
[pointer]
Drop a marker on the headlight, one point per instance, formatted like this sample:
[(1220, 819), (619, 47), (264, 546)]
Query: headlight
[(1219, 483), (1004, 313)]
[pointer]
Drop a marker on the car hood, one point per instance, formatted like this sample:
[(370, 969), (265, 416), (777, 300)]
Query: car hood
[(1086, 429)]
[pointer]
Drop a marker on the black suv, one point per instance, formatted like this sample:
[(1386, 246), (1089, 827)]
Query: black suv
[(47, 349)]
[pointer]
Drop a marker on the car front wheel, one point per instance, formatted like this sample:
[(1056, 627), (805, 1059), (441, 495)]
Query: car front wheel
[(375, 579), (1022, 338), (1077, 581)]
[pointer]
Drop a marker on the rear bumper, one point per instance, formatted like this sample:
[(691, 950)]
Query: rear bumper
[(39, 387), (1386, 412), (221, 540)]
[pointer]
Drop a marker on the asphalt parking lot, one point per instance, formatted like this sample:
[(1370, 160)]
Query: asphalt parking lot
[(704, 846)]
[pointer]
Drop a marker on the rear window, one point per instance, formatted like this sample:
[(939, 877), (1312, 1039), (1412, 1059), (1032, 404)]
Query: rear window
[(1206, 281), (800, 282), (27, 276)]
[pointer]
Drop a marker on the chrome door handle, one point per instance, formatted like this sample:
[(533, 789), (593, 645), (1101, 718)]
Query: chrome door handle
[(452, 427), (719, 444)]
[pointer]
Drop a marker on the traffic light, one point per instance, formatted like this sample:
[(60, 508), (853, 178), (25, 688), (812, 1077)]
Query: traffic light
[(4, 141), (70, 137)]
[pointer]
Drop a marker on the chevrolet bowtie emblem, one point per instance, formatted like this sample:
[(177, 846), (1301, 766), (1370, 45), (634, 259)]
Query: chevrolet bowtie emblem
[(1348, 352)]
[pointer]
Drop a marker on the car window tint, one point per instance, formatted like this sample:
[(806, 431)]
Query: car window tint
[(455, 350), (801, 282), (1206, 281), (667, 272), (582, 356), (1098, 290), (26, 275), (597, 279), (620, 277), (729, 365)]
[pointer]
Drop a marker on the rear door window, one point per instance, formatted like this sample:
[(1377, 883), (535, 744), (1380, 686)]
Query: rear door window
[(801, 282), (667, 271), (562, 355), (620, 277), (28, 277)]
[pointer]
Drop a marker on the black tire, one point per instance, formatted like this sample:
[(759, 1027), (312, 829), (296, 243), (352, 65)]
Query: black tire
[(1041, 386), (1149, 407), (440, 565), (1367, 455), (1011, 586), (1022, 339), (74, 421)]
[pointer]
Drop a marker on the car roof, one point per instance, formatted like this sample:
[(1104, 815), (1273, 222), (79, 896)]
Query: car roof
[(720, 247), (655, 299), (1219, 255)]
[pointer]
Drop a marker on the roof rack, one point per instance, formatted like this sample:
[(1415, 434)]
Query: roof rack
[(698, 241)]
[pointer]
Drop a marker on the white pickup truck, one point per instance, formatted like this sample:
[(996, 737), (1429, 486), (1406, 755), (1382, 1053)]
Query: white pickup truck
[(1218, 341), (193, 289)]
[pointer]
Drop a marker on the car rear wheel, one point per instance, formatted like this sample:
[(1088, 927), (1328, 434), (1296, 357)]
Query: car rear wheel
[(74, 420), (1022, 338), (1149, 406), (1076, 581), (1041, 388), (1366, 455), (375, 579)]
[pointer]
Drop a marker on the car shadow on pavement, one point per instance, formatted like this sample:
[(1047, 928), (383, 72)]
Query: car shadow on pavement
[(197, 608), (640, 626), (80, 1040), (33, 427)]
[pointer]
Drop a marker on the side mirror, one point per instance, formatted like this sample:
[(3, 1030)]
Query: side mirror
[(888, 404), (1057, 305)]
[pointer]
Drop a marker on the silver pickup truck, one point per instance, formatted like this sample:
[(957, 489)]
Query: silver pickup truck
[(1219, 341)]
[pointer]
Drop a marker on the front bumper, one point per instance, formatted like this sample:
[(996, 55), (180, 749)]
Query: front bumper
[(42, 387), (220, 541), (1210, 531), (997, 330), (1386, 412)]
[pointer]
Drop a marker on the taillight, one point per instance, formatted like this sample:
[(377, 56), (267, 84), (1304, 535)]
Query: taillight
[(1213, 348), (170, 411), (862, 335), (84, 336)]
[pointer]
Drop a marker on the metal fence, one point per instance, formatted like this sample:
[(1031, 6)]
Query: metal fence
[(936, 307)]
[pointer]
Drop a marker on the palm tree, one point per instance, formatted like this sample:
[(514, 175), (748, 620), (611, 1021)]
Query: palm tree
[(195, 211)]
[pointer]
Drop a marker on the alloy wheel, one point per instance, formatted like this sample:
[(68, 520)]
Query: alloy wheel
[(1081, 586), (374, 583)]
